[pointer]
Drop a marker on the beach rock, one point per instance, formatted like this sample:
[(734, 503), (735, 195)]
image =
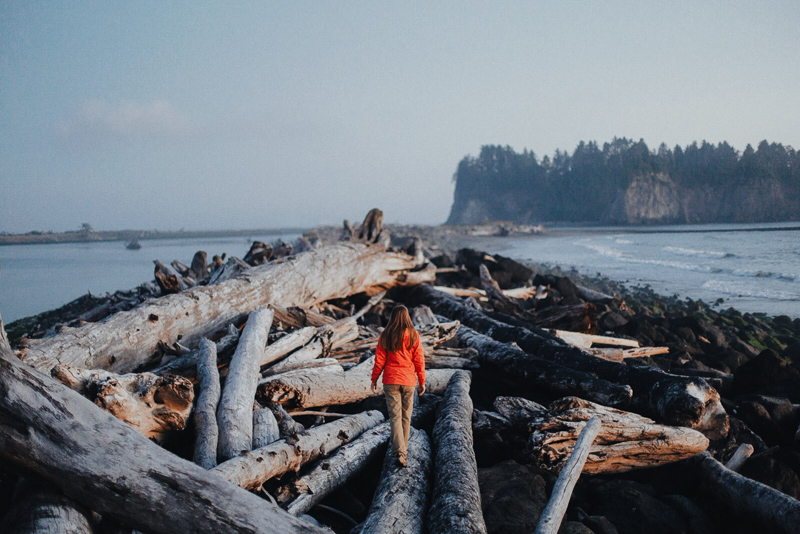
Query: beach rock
[(600, 524), (759, 420), (768, 373), (574, 527), (792, 352), (686, 334), (694, 516), (512, 497), (611, 321), (773, 473), (732, 358), (633, 509)]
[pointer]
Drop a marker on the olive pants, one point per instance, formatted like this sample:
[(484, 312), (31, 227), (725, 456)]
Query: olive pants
[(400, 403)]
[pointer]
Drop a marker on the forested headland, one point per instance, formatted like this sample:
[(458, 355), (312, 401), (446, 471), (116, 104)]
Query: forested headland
[(625, 182)]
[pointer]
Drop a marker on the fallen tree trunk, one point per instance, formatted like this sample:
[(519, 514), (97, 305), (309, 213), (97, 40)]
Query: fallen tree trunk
[(456, 499), (153, 405), (235, 411), (205, 411), (671, 399), (50, 431), (626, 441), (324, 386), (401, 498), (129, 340), (774, 511), (333, 471), (531, 371), (553, 514), (251, 470)]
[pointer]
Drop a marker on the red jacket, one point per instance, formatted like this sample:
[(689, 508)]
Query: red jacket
[(402, 367)]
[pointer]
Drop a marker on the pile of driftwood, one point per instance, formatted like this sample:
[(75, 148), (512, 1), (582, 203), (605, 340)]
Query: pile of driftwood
[(236, 398)]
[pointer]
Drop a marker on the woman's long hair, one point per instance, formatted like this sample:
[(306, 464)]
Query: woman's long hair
[(391, 339)]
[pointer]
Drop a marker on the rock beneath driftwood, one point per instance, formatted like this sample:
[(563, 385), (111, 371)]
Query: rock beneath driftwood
[(512, 497)]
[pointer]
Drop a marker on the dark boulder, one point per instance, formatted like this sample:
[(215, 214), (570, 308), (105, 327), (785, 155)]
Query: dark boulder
[(633, 509), (611, 321), (573, 527), (695, 517), (512, 497), (768, 373)]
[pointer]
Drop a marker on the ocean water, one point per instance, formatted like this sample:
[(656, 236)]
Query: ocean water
[(754, 268), (37, 278)]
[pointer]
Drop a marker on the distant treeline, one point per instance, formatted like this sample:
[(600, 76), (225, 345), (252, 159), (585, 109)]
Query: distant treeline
[(625, 182)]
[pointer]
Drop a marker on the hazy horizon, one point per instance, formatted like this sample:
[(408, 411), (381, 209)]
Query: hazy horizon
[(222, 116)]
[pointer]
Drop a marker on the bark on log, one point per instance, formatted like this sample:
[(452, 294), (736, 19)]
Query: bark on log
[(334, 471), (400, 502), (50, 431), (324, 386), (670, 399), (205, 412), (774, 511), (531, 371), (371, 227), (235, 411), (128, 340), (288, 428), (252, 469), (153, 405), (626, 440), (199, 268), (456, 500), (553, 513), (265, 428)]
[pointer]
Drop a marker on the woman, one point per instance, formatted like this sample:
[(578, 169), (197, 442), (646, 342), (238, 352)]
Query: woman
[(399, 356)]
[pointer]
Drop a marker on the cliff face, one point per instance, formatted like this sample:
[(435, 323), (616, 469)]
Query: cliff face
[(651, 198)]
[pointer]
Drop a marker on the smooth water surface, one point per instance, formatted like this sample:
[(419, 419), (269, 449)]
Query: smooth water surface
[(37, 278)]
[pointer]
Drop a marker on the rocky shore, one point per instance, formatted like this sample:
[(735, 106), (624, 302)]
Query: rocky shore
[(751, 360)]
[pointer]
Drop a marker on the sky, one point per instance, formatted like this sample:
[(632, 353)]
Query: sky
[(223, 115)]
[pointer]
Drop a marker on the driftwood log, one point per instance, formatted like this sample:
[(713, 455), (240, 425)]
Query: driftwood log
[(331, 384), (205, 411), (265, 427), (400, 502), (553, 513), (625, 441), (186, 365), (334, 471), (670, 399), (235, 411), (517, 366), (456, 499), (252, 469), (49, 431), (129, 340), (774, 511), (153, 405)]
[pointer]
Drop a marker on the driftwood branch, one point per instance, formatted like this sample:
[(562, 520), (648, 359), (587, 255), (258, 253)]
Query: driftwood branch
[(553, 514), (205, 412)]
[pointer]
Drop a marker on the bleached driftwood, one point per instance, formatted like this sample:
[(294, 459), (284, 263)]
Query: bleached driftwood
[(51, 432), (626, 440), (743, 452), (331, 384), (456, 499), (129, 340), (186, 365), (553, 513), (585, 341), (334, 471), (265, 428), (326, 339), (619, 355), (153, 405), (205, 411), (235, 411), (252, 469), (400, 502)]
